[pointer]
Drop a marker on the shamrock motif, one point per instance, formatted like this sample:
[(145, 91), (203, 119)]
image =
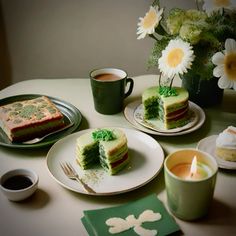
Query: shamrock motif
[(118, 225)]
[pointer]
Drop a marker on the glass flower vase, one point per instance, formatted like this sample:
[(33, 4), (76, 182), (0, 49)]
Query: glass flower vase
[(203, 92)]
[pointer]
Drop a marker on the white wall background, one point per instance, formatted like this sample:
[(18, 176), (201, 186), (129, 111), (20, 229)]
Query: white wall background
[(68, 38)]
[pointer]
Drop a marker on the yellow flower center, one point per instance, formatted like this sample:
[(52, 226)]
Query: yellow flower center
[(175, 57), (150, 19), (222, 3), (230, 66)]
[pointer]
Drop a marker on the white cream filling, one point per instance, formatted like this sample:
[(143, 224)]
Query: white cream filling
[(227, 139)]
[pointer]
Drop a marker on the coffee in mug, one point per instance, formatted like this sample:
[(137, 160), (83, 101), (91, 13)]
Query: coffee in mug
[(109, 89), (107, 77)]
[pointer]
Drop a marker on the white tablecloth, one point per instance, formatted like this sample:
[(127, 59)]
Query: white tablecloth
[(56, 211)]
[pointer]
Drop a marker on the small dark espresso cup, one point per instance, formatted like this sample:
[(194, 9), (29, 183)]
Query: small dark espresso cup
[(109, 89)]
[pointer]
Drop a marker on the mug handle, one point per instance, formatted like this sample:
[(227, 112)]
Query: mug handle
[(131, 85)]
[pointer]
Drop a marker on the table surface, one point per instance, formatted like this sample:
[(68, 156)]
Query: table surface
[(54, 210)]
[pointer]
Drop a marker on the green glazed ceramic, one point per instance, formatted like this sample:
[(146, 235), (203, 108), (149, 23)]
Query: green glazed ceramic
[(189, 199), (109, 94)]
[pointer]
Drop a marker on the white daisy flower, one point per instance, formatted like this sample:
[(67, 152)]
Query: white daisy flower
[(148, 23), (176, 58), (214, 5), (226, 65)]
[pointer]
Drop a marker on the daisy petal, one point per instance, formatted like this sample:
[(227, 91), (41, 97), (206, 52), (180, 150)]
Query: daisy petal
[(149, 22), (218, 71), (230, 45), (176, 58), (224, 83), (234, 86), (141, 36), (218, 58)]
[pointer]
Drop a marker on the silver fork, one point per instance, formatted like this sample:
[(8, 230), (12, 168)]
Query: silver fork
[(72, 174), (37, 140)]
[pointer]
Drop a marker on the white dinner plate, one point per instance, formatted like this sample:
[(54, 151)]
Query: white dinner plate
[(131, 108), (147, 159), (158, 125), (208, 145)]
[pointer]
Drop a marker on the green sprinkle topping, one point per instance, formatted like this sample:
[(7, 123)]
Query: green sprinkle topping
[(167, 91), (103, 135)]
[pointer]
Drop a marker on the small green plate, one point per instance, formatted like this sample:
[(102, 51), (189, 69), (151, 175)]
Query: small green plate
[(70, 112)]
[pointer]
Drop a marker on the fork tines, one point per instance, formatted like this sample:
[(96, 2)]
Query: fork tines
[(66, 167), (70, 172)]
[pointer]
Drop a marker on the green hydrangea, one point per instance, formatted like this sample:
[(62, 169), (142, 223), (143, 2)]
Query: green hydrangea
[(205, 33), (190, 32), (175, 20), (195, 16), (187, 23)]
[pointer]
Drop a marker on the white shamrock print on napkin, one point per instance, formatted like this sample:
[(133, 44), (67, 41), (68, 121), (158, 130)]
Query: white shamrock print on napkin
[(118, 225)]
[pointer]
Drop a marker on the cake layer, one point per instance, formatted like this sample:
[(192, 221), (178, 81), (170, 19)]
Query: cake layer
[(112, 154), (178, 121), (112, 163), (227, 154), (114, 146), (24, 120), (87, 150), (119, 165), (172, 110), (171, 103)]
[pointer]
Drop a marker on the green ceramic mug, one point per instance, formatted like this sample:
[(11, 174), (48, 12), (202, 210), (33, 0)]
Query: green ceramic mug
[(188, 198), (109, 87)]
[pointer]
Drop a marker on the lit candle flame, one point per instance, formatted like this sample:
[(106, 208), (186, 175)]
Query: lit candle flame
[(193, 169)]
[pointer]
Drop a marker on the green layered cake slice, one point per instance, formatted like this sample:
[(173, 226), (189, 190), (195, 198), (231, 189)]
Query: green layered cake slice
[(114, 153), (173, 110), (87, 150), (106, 146)]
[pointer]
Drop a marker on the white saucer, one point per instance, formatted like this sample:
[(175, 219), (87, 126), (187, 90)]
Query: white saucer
[(158, 125), (208, 145), (129, 115)]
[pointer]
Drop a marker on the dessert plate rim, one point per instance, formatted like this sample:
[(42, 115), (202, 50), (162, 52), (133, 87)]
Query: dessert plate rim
[(129, 115), (154, 124), (207, 144), (147, 158)]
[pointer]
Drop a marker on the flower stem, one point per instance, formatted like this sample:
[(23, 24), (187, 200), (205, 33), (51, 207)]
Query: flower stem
[(171, 82), (160, 79), (153, 36), (197, 4)]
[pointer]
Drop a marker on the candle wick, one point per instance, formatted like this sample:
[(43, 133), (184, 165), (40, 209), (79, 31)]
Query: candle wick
[(191, 175)]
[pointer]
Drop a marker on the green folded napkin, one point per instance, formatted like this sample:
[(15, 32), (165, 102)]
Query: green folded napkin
[(146, 216)]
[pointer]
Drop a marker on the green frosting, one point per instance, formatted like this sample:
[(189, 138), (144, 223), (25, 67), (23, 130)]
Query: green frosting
[(103, 135), (167, 91)]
